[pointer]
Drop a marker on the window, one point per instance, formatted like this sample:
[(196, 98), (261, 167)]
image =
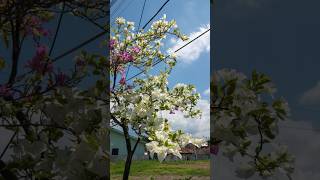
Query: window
[(115, 151)]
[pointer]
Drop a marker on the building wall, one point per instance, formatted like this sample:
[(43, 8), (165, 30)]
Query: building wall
[(117, 140)]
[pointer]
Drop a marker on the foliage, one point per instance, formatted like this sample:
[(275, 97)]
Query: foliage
[(58, 130), (138, 105), (245, 122)]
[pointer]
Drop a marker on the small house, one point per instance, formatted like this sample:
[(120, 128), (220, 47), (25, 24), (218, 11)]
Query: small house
[(118, 149)]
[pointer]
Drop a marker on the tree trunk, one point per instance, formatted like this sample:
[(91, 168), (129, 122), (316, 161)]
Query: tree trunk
[(127, 166), (129, 151)]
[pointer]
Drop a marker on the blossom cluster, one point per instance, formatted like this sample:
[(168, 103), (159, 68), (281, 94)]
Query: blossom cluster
[(245, 120), (39, 62), (34, 26), (139, 49), (164, 141), (142, 106)]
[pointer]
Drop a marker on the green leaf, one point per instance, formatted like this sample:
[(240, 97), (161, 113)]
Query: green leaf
[(2, 63), (5, 38), (245, 171)]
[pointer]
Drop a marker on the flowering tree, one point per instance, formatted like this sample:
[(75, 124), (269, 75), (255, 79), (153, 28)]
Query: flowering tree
[(57, 130), (138, 105), (245, 122)]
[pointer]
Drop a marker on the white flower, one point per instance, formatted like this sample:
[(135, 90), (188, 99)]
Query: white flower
[(161, 136), (180, 85), (120, 20), (151, 146), (161, 153), (228, 74), (130, 23), (173, 56), (164, 16)]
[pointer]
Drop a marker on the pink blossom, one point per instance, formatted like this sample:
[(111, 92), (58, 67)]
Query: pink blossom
[(120, 69), (214, 149), (126, 57), (38, 63), (35, 21), (61, 79), (34, 27), (135, 49), (112, 44), (4, 90), (44, 32), (123, 78), (41, 50)]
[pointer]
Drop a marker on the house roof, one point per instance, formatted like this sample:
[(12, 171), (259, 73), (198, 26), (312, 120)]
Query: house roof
[(190, 148)]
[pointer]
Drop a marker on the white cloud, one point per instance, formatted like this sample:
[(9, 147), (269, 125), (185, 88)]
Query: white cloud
[(193, 51), (195, 126), (207, 92), (311, 96)]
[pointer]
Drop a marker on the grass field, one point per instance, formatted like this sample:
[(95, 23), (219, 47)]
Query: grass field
[(152, 169)]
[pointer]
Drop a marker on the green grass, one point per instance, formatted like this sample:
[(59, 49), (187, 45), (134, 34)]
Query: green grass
[(155, 168)]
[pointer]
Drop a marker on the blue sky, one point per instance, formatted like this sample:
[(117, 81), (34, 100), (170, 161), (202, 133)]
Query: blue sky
[(281, 39), (193, 65)]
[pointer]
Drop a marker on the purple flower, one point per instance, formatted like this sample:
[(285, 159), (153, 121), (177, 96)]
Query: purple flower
[(41, 51), (135, 49), (34, 21), (112, 44), (171, 112), (61, 79), (123, 78), (214, 149), (37, 63), (44, 32), (126, 57), (39, 66), (122, 81), (4, 90)]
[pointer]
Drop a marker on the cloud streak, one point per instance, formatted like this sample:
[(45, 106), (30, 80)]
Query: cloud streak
[(193, 51), (311, 96)]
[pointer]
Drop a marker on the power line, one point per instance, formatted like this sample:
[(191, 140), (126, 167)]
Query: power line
[(160, 60), (155, 14), (144, 4), (115, 12), (138, 29), (80, 45), (98, 36), (112, 3), (57, 29)]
